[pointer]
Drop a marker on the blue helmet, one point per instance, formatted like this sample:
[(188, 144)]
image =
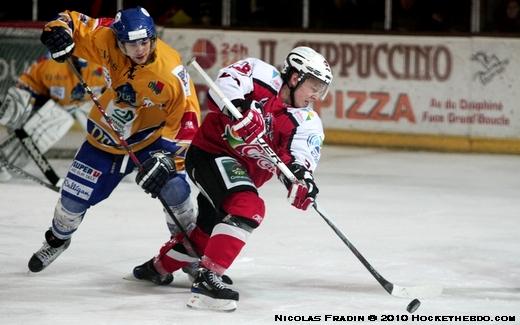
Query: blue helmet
[(133, 24)]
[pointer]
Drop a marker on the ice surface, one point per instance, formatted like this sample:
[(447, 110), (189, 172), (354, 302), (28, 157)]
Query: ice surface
[(418, 217)]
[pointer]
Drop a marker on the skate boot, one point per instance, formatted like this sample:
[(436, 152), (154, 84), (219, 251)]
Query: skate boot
[(209, 292), (51, 249), (192, 271), (148, 272)]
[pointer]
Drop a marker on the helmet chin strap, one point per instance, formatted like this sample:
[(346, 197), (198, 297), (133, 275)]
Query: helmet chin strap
[(292, 90), (291, 93)]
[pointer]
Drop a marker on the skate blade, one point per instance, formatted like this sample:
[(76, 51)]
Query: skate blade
[(198, 301), (130, 277)]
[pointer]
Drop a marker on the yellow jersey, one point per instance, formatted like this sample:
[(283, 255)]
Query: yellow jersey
[(46, 78), (144, 102)]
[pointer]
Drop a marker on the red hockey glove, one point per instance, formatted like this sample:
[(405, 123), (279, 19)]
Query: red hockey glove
[(251, 126), (302, 193)]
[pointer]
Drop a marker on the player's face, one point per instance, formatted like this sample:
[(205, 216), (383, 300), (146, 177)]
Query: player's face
[(139, 51), (310, 91)]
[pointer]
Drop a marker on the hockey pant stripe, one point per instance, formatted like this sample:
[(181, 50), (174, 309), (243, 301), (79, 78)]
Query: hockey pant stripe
[(173, 255), (225, 244)]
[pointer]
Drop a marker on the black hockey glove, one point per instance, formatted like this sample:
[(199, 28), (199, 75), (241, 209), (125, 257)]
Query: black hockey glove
[(155, 172), (59, 42), (302, 193)]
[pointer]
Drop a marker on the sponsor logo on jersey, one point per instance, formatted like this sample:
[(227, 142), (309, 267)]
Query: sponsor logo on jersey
[(233, 173), (276, 80), (122, 118), (156, 86), (85, 171), (302, 114), (57, 92), (84, 18), (147, 102), (232, 137), (183, 76), (76, 189), (100, 135), (314, 142), (98, 72)]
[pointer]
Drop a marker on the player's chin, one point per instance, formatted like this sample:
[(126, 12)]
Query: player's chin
[(141, 59)]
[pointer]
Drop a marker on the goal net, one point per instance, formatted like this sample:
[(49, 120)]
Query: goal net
[(19, 46)]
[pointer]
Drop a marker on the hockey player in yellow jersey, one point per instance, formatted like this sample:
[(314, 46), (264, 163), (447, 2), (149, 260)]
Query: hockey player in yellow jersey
[(45, 100), (151, 101)]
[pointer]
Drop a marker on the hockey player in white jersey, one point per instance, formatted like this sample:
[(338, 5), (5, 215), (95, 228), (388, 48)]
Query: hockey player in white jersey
[(227, 164)]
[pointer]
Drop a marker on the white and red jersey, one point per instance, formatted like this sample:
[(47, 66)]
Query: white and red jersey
[(295, 134)]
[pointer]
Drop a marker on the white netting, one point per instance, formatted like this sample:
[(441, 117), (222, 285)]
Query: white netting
[(19, 47)]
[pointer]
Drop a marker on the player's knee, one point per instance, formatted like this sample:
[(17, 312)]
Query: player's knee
[(176, 193), (240, 222), (186, 215), (176, 190), (245, 205), (68, 215)]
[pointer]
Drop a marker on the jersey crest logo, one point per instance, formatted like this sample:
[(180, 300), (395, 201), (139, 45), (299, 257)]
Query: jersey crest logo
[(126, 94), (78, 92)]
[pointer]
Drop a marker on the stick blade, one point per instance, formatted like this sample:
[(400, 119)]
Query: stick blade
[(425, 291)]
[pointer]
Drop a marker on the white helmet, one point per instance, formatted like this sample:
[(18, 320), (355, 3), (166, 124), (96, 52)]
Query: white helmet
[(306, 62)]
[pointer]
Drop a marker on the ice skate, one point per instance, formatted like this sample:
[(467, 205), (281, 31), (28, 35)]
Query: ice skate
[(51, 249), (210, 293), (192, 271), (148, 272)]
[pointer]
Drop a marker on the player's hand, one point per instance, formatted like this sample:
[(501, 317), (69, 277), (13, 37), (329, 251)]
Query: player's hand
[(303, 192), (251, 126), (155, 172), (59, 42)]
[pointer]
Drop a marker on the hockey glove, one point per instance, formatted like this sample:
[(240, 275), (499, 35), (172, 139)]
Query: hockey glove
[(251, 126), (155, 172), (302, 193), (59, 42)]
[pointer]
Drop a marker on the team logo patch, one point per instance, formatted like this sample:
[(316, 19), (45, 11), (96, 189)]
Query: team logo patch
[(78, 92), (183, 76), (126, 94), (85, 171), (76, 189)]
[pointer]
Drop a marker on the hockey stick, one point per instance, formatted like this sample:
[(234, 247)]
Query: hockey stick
[(394, 290), (236, 114), (35, 153), (131, 154), (25, 174), (31, 148)]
